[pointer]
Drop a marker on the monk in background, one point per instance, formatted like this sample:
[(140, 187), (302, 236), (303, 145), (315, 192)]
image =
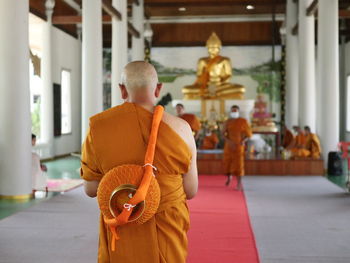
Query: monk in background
[(236, 131), (210, 140), (313, 144), (191, 119), (298, 147), (288, 137), (120, 136)]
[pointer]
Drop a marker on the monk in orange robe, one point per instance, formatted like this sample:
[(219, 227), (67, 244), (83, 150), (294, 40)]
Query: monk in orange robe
[(288, 137), (190, 118), (313, 144), (236, 131), (120, 136), (298, 147), (210, 141)]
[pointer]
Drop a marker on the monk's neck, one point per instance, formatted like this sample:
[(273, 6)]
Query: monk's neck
[(146, 106)]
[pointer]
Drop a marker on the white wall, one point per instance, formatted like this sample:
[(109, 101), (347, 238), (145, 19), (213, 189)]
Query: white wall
[(66, 54)]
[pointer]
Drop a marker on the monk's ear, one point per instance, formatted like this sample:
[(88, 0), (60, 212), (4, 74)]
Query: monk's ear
[(158, 89), (123, 91)]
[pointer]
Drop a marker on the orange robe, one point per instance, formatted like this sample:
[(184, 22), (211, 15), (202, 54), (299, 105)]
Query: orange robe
[(192, 121), (288, 138), (209, 142), (299, 149), (119, 136), (313, 145), (236, 129)]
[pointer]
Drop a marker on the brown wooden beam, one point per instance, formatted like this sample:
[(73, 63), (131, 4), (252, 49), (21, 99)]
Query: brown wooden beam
[(295, 29), (109, 8), (132, 30), (69, 20), (311, 10), (155, 3)]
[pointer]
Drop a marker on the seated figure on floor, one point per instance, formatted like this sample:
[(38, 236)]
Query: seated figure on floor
[(288, 137), (298, 146), (210, 140), (313, 144), (213, 76), (39, 177)]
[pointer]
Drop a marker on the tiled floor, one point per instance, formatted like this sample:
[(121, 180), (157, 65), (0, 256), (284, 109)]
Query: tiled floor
[(64, 168), (69, 168), (61, 168)]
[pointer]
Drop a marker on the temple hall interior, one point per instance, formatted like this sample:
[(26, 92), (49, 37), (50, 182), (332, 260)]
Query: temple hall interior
[(264, 86)]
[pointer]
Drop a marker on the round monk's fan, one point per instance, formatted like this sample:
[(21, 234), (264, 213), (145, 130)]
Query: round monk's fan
[(131, 193), (119, 185)]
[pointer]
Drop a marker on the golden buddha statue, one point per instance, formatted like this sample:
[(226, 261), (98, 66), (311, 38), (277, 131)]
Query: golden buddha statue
[(213, 76)]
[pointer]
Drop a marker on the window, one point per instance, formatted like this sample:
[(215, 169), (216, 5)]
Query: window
[(66, 110)]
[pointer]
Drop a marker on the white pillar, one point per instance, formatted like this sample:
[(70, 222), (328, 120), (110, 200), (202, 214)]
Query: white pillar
[(292, 72), (307, 89), (138, 44), (119, 48), (15, 121), (46, 74), (328, 66), (92, 89)]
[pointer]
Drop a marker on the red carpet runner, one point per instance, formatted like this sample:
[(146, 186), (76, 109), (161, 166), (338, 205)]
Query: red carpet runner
[(220, 228)]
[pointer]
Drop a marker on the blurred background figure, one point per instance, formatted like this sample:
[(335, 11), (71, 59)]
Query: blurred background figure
[(190, 118), (313, 144), (210, 140), (39, 176)]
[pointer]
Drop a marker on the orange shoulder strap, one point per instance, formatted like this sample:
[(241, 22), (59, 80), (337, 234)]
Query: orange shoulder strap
[(141, 192)]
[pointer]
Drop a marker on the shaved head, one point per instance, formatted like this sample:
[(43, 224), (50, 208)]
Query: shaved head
[(139, 75)]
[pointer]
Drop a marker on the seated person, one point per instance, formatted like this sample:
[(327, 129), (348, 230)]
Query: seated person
[(288, 137), (313, 144), (210, 140), (298, 146), (39, 177)]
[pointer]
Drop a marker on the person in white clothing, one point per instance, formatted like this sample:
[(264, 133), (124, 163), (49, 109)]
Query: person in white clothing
[(39, 177)]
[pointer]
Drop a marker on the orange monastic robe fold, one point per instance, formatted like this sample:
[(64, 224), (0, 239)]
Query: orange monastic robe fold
[(288, 138), (313, 145), (299, 149), (120, 136), (237, 130), (209, 142), (192, 121)]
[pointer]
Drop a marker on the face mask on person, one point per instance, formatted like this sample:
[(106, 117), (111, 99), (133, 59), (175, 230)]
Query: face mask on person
[(208, 133), (234, 115)]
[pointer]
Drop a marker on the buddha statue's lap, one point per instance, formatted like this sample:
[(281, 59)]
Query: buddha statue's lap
[(213, 75)]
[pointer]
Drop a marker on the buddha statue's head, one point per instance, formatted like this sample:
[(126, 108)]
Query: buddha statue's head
[(213, 45)]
